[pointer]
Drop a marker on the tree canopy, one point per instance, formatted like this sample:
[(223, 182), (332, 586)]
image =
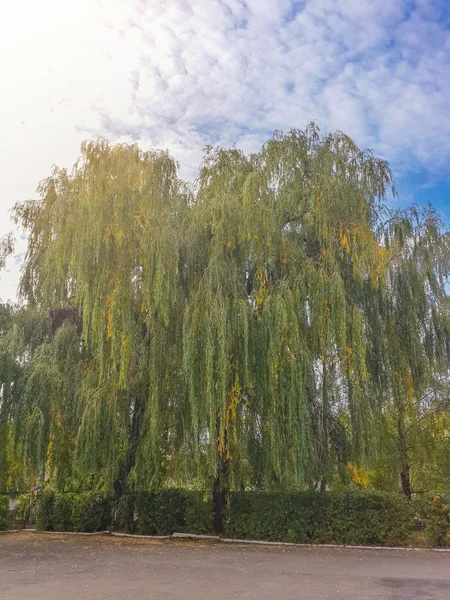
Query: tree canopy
[(272, 325)]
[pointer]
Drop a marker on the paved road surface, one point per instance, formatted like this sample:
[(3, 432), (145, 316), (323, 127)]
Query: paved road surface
[(50, 567)]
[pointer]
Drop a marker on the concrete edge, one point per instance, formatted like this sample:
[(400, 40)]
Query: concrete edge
[(10, 531), (260, 542), (351, 547), (85, 533), (139, 537), (194, 536)]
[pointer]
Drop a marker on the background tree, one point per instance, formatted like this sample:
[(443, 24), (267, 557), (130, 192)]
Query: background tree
[(262, 328), (413, 376)]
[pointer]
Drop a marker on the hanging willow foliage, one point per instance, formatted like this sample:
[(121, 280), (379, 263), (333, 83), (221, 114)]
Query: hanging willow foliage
[(253, 328)]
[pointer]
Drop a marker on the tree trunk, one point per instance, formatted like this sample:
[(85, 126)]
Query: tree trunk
[(121, 483), (220, 497), (406, 481), (220, 490), (405, 475)]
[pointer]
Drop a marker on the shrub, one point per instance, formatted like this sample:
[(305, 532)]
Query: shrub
[(370, 518), (438, 524), (91, 512), (125, 519), (4, 509), (356, 517), (87, 512), (198, 513), (303, 517), (24, 509), (160, 513), (164, 512), (62, 515), (44, 511)]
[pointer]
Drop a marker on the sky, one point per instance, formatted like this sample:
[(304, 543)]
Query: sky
[(180, 74)]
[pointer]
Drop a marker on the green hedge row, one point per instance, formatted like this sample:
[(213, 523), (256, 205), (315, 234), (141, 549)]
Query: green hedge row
[(86, 512), (4, 509), (162, 513), (356, 517), (149, 513), (360, 518), (435, 511)]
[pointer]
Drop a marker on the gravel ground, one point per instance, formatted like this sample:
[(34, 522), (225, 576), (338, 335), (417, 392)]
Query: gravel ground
[(56, 567)]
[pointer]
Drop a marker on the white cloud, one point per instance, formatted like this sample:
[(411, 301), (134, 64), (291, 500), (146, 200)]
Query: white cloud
[(229, 71), (184, 73)]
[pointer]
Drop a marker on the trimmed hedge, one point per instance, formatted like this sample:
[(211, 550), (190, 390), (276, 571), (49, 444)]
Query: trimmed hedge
[(360, 518), (63, 518), (44, 511), (163, 512), (24, 510), (367, 518), (92, 512), (160, 513), (149, 513), (437, 530), (88, 512), (4, 509)]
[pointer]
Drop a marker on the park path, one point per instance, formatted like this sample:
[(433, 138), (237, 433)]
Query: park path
[(55, 567)]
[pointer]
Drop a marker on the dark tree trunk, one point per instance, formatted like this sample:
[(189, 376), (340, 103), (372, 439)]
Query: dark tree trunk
[(121, 483), (406, 481), (220, 490), (220, 496), (405, 475)]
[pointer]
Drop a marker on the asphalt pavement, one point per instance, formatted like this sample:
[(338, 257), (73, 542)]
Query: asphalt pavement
[(54, 567)]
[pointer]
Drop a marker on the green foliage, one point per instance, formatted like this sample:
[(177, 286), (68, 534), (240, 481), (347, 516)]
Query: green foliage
[(24, 509), (302, 517), (438, 522), (265, 327), (63, 512), (125, 517), (91, 512), (86, 512), (6, 248), (44, 511), (160, 513), (164, 512), (198, 513), (4, 508), (357, 517)]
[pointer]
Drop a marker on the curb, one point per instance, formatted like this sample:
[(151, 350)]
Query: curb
[(10, 531), (145, 537), (76, 532), (65, 532), (215, 538), (196, 536), (350, 547)]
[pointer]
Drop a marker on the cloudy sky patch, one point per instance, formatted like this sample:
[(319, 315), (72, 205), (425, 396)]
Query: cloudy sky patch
[(181, 74)]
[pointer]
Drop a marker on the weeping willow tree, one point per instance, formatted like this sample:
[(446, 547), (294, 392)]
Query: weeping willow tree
[(274, 329), (410, 366), (244, 331), (104, 243), (8, 369)]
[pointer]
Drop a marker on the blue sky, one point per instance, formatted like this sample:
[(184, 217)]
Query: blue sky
[(181, 74), (420, 188)]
